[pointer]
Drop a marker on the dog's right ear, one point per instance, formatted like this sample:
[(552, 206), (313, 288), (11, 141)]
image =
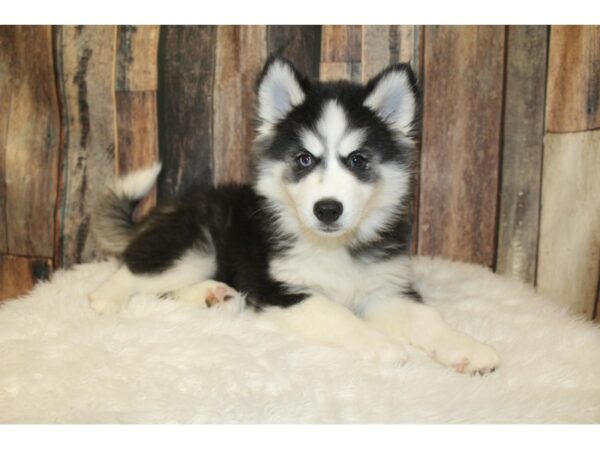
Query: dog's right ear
[(280, 88)]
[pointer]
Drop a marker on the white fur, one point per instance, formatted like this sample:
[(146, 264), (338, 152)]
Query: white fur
[(166, 362), (136, 185), (278, 93), (394, 101), (114, 293)]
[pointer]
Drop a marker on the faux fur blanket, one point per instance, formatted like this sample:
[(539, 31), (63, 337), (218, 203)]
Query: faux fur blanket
[(159, 361)]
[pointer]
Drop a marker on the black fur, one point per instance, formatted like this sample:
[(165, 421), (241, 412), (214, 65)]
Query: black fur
[(231, 222)]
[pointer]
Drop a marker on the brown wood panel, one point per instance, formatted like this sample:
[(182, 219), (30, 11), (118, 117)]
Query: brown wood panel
[(136, 82), (461, 136), (341, 52), (569, 248), (85, 57), (137, 131), (29, 140), (523, 137), (240, 55), (573, 79), (186, 63), (383, 45), (18, 274), (301, 44), (136, 68)]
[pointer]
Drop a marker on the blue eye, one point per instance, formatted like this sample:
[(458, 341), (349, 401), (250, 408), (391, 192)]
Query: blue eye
[(357, 160), (305, 160)]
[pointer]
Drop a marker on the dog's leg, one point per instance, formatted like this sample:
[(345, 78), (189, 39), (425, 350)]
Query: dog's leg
[(208, 294), (423, 327), (324, 321), (115, 292)]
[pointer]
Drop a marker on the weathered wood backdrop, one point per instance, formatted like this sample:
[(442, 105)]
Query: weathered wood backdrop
[(510, 157)]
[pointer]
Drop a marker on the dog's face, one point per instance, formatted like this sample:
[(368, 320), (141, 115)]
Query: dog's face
[(335, 158)]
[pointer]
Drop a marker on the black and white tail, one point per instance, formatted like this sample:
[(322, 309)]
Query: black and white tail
[(112, 219)]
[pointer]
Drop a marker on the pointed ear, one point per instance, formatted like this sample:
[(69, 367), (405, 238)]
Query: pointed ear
[(393, 96), (280, 88)]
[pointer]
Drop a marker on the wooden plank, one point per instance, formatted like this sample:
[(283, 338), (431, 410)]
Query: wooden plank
[(461, 136), (136, 82), (7, 63), (300, 44), (573, 79), (569, 253), (18, 274), (85, 58), (29, 140), (137, 131), (383, 45), (523, 137), (241, 52), (186, 60), (136, 68), (341, 52)]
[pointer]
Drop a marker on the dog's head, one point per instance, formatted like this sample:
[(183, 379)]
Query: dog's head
[(335, 159)]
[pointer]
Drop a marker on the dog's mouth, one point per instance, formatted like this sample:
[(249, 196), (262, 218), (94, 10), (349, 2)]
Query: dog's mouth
[(331, 229)]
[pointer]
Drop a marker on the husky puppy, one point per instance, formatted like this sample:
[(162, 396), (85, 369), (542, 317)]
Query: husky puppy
[(318, 242)]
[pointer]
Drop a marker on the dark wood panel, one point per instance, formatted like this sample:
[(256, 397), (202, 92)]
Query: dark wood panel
[(136, 68), (85, 57), (240, 55), (186, 63), (461, 135), (522, 151), (573, 79), (300, 44), (29, 140), (18, 274)]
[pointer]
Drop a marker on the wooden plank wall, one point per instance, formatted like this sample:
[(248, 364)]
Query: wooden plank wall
[(508, 157)]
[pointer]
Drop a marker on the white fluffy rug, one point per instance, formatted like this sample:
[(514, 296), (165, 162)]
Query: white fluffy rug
[(160, 361)]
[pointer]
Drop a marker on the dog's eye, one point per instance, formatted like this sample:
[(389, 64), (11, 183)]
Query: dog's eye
[(305, 160), (357, 160)]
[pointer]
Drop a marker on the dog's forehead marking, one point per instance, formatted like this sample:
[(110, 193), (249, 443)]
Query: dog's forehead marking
[(332, 134), (333, 123)]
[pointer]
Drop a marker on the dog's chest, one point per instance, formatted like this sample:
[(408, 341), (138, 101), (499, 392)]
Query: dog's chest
[(329, 272)]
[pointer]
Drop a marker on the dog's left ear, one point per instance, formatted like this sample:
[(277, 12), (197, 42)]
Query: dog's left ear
[(393, 96)]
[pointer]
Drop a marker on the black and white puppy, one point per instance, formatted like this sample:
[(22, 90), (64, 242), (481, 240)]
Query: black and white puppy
[(319, 242)]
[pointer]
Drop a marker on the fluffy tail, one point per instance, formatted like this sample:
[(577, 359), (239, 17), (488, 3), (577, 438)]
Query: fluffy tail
[(112, 220)]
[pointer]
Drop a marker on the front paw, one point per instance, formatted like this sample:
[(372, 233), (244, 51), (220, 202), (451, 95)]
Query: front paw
[(464, 354)]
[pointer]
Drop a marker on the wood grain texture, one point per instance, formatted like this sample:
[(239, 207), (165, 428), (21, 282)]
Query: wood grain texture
[(240, 55), (573, 79), (186, 63), (136, 82), (523, 137), (341, 52), (461, 136), (29, 140), (18, 274), (383, 45), (136, 68), (85, 57), (569, 249), (300, 44), (137, 131)]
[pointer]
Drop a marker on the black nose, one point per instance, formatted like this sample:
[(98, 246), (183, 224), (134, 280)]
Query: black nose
[(328, 210)]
